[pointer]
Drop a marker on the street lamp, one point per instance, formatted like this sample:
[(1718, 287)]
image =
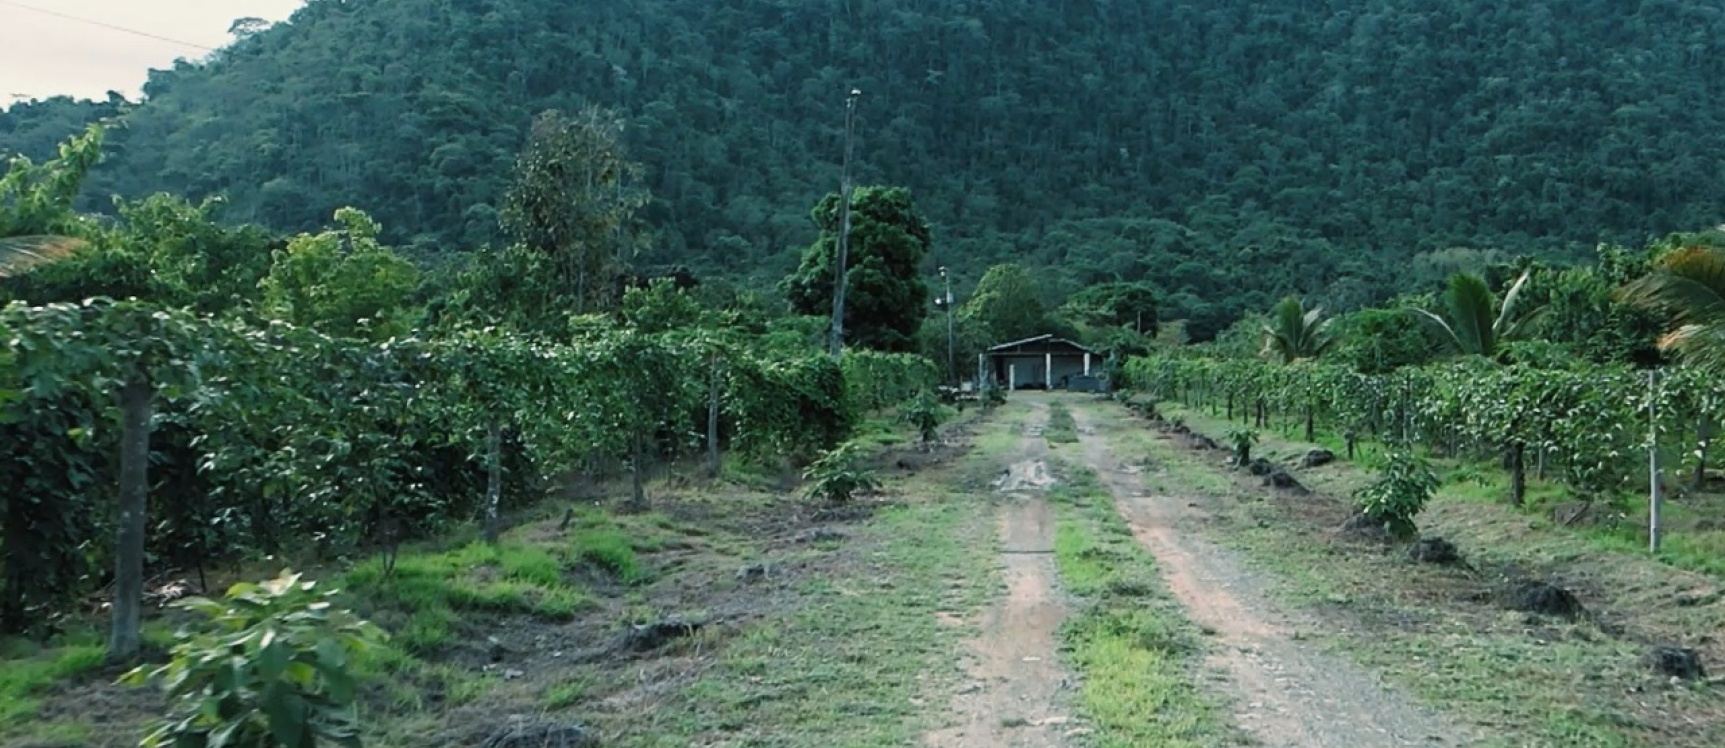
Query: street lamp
[(838, 336), (951, 363)]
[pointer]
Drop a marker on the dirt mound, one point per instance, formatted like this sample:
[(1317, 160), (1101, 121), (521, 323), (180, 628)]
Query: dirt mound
[(1030, 475), (1546, 599), (1317, 457), (1675, 662), (1280, 478), (646, 637), (1434, 550), (1363, 527)]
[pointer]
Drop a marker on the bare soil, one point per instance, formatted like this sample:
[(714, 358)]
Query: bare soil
[(1286, 694), (1014, 697)]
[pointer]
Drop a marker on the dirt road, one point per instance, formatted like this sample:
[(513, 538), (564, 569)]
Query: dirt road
[(1014, 698), (1286, 693)]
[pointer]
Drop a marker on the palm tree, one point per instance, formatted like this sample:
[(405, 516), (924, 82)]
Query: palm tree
[(1474, 321), (1296, 334), (1689, 285), (1479, 325)]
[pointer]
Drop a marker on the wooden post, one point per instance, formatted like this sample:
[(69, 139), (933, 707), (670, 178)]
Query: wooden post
[(493, 479), (136, 402), (713, 419), (1652, 462)]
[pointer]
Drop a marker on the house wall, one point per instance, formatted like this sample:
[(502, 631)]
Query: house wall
[(1066, 367), (1029, 370), (1034, 369)]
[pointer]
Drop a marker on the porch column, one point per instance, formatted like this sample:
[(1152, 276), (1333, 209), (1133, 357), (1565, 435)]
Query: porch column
[(1087, 363), (1048, 370), (1011, 377)]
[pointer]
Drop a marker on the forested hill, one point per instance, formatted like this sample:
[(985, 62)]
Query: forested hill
[(1228, 150)]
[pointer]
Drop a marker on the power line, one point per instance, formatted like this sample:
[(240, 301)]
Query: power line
[(108, 26)]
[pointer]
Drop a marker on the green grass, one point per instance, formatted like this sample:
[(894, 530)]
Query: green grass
[(1687, 543), (510, 577), (26, 669), (861, 657), (1137, 654), (847, 665), (566, 694), (1535, 682), (1060, 428)]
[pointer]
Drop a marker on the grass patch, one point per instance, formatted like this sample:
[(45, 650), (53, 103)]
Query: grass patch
[(861, 658), (1060, 428), (852, 658), (506, 578), (566, 694), (26, 669), (1138, 655)]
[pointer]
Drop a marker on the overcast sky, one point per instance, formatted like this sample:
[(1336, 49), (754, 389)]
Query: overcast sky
[(43, 55)]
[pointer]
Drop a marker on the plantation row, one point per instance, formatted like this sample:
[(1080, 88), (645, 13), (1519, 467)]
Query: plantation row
[(1587, 424), (261, 439)]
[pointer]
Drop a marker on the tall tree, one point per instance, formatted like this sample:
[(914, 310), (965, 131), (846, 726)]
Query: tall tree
[(1128, 305), (886, 298), (574, 200), (343, 282), (1007, 305)]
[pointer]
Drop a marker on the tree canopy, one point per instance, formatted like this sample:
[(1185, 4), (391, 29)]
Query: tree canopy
[(886, 297), (1228, 152)]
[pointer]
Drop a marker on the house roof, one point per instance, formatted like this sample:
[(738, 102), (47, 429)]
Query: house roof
[(1049, 338)]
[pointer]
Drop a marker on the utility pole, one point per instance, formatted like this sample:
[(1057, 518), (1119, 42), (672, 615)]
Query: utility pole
[(843, 260), (951, 363)]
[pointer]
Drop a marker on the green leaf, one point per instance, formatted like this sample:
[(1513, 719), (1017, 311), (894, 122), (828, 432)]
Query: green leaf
[(287, 715)]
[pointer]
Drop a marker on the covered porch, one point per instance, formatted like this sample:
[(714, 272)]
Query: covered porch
[(1044, 362)]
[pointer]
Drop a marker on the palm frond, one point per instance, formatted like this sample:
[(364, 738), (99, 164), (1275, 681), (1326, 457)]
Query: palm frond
[(19, 254), (1448, 331), (1701, 346), (1688, 284), (1513, 317), (1294, 332), (1472, 314)]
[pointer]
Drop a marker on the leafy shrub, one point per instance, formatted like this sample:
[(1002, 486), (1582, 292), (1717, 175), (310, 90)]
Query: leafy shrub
[(926, 413), (270, 669), (1399, 493), (1241, 439), (839, 475)]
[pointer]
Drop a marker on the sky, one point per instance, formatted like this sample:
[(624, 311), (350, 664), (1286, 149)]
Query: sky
[(44, 55)]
